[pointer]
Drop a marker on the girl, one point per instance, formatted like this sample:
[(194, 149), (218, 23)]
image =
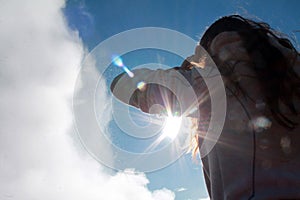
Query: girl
[(257, 155)]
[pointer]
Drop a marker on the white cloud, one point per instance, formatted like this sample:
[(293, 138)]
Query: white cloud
[(39, 62), (206, 198)]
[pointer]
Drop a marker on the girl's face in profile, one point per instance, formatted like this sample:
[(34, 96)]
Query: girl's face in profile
[(164, 91)]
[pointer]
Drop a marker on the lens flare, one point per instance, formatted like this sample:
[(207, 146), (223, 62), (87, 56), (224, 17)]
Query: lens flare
[(117, 60), (141, 85), (171, 127), (130, 73), (261, 123)]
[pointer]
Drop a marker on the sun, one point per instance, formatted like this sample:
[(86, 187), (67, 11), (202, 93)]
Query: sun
[(171, 127)]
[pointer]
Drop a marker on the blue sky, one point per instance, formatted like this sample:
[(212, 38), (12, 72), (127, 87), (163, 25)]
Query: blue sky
[(99, 20)]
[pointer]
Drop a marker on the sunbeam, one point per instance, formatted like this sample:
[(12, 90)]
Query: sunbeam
[(171, 127)]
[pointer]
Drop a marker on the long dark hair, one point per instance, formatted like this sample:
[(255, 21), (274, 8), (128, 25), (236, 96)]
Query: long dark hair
[(280, 83)]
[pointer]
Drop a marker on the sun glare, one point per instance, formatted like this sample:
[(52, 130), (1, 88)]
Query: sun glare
[(171, 127)]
